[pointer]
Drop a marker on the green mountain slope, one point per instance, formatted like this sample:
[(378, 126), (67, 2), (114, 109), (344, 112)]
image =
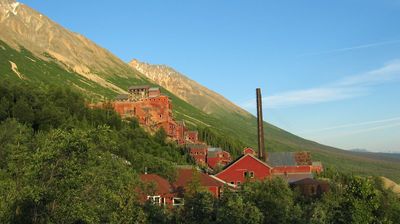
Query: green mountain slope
[(236, 129), (35, 49)]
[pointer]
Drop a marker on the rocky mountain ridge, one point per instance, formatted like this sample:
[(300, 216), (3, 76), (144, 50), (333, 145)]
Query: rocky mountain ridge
[(186, 88), (22, 26)]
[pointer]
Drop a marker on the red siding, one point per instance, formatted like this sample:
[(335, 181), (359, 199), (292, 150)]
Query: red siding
[(199, 154), (162, 188), (235, 172), (222, 159), (185, 176), (192, 136)]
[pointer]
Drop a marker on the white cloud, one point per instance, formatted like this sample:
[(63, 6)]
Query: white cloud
[(365, 130), (362, 125), (311, 96), (358, 47), (349, 87)]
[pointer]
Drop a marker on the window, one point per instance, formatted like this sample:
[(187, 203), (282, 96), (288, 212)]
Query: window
[(313, 190), (238, 183), (177, 201), (233, 182), (154, 199), (248, 174)]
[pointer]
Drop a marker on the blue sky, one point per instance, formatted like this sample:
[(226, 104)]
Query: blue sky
[(329, 70)]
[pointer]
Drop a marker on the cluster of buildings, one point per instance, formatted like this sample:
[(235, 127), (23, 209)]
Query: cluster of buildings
[(154, 110), (209, 157), (163, 192), (294, 167)]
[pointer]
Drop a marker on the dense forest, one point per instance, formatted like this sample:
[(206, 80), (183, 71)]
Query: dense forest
[(61, 162)]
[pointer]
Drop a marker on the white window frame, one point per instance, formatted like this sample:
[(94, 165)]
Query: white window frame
[(178, 204), (153, 199)]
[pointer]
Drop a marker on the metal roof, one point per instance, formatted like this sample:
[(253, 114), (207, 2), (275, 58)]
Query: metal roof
[(281, 159), (294, 177), (213, 152), (139, 87), (154, 89)]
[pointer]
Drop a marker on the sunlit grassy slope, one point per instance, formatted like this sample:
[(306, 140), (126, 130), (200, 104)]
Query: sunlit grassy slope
[(237, 128)]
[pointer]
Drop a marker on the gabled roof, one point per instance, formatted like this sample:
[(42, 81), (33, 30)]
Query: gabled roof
[(185, 176), (224, 182), (162, 185), (242, 157)]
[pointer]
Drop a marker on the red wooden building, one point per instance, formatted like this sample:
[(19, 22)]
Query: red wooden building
[(291, 166), (181, 131), (192, 136), (199, 153), (161, 192), (187, 174), (153, 110), (245, 168), (216, 157)]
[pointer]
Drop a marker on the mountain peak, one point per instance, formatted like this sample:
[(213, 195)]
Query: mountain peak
[(7, 2), (9, 6)]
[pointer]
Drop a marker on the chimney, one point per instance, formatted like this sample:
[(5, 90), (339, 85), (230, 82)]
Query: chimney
[(260, 127)]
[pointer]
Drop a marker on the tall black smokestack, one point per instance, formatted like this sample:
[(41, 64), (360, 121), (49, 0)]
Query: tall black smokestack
[(260, 126)]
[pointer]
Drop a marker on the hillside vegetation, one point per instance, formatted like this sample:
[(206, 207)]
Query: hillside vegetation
[(61, 162)]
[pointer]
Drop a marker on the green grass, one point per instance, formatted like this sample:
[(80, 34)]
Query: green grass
[(237, 127)]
